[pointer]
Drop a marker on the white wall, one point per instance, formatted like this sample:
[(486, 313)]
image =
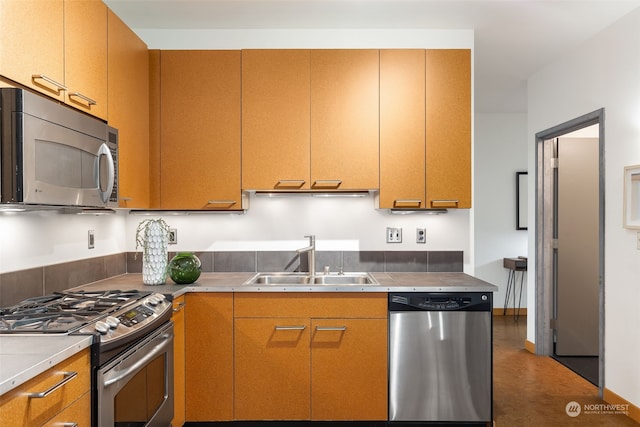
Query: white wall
[(500, 152), (605, 72), (34, 239)]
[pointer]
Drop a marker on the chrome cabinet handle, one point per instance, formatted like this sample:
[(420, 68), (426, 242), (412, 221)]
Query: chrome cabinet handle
[(85, 98), (68, 424), (49, 80), (413, 202), (290, 328), (68, 376), (221, 202), (331, 328), (327, 183), (290, 183), (179, 307)]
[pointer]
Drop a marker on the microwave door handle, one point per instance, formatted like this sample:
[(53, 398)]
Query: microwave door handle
[(104, 151)]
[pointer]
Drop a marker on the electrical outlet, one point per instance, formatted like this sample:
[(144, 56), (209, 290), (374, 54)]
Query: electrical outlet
[(91, 239), (173, 236), (421, 235), (394, 235)]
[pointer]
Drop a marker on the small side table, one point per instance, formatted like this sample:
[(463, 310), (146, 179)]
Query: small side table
[(514, 265)]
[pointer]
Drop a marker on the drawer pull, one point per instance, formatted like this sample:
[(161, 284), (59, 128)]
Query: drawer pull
[(290, 183), (68, 376), (221, 202), (442, 203), (327, 183), (179, 307), (49, 80), (407, 202), (331, 328), (290, 328), (86, 99), (68, 424)]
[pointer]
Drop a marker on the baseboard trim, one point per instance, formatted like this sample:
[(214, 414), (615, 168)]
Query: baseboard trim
[(529, 346), (611, 397), (497, 311)]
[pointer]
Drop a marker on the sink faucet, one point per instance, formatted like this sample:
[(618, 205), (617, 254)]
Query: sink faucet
[(311, 253)]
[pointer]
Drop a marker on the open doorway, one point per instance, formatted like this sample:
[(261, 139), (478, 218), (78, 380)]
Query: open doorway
[(570, 245)]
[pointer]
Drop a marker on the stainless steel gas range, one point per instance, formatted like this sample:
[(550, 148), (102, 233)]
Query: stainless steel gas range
[(131, 354)]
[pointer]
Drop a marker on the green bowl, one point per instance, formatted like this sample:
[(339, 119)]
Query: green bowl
[(185, 268)]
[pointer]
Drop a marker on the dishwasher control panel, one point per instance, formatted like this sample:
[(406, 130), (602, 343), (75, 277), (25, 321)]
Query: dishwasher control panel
[(440, 301)]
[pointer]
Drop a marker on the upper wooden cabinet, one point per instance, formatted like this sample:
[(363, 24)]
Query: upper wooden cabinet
[(448, 128), (200, 130), (58, 48), (85, 55), (402, 128), (32, 44), (344, 119), (129, 111), (275, 119), (425, 128)]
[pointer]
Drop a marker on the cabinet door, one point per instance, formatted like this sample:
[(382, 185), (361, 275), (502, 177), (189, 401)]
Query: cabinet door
[(200, 130), (275, 119), (402, 128), (448, 121), (179, 307), (344, 119), (85, 55), (128, 99), (209, 356), (349, 369), (32, 44), (272, 378)]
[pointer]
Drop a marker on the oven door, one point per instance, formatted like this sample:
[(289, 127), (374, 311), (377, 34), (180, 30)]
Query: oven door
[(136, 388)]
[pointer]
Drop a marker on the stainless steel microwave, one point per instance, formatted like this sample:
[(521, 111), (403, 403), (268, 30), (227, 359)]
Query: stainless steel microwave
[(53, 155)]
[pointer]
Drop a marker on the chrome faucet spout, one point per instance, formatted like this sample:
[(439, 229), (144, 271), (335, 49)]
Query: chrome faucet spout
[(311, 254)]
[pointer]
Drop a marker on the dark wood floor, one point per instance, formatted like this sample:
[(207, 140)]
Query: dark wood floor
[(532, 390)]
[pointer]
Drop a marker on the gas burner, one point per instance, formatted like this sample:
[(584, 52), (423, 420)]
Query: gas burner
[(63, 312)]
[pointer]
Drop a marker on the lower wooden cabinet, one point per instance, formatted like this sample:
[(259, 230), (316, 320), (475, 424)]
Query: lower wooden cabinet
[(272, 371), (209, 356), (349, 369), (179, 308), (329, 364), (70, 403)]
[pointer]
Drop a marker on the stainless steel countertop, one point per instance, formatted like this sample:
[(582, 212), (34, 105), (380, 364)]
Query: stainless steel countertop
[(22, 357)]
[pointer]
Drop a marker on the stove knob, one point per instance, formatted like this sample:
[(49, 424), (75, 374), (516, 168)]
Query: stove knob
[(102, 327), (153, 301), (113, 322)]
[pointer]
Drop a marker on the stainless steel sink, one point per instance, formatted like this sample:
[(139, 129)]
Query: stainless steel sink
[(304, 279)]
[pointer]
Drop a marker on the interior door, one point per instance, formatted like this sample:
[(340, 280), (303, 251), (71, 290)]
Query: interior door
[(577, 255)]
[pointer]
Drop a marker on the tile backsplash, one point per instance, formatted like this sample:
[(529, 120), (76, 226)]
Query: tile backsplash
[(19, 285)]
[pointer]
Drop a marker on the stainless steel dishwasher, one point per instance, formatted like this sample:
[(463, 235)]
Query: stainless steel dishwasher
[(440, 358)]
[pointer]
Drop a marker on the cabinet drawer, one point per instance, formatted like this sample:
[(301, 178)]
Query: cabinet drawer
[(300, 304), (17, 408), (78, 413)]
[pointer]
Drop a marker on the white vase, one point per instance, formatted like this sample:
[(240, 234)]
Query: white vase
[(155, 257)]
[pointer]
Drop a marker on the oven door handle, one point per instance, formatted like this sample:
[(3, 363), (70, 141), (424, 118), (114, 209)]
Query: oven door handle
[(120, 374)]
